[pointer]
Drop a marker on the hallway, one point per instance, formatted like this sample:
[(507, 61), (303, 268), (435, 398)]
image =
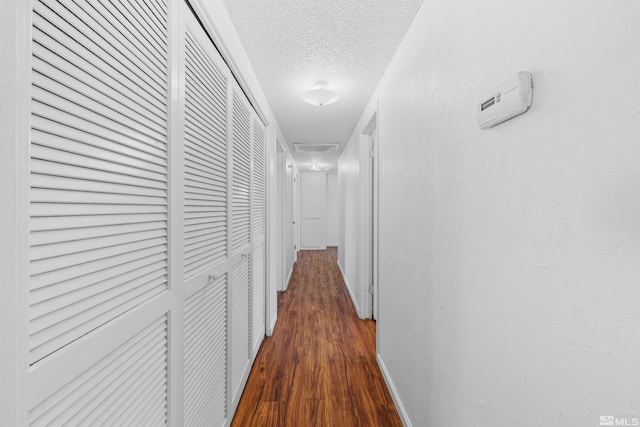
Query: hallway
[(319, 367)]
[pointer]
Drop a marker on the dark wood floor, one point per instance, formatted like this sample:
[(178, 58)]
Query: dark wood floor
[(319, 367)]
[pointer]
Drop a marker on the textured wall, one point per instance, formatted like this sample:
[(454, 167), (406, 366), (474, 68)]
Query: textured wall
[(510, 257), (348, 183), (332, 209)]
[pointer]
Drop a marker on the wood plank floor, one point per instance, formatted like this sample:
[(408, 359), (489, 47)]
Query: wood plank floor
[(319, 367)]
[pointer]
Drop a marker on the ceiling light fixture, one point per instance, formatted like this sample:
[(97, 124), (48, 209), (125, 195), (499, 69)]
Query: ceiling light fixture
[(320, 94)]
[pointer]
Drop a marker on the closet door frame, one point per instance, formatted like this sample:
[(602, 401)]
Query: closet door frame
[(25, 385), (14, 224)]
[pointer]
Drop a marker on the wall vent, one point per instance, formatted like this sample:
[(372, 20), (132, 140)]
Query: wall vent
[(316, 148)]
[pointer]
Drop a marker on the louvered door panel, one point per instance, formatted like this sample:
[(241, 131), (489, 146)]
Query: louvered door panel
[(129, 387), (205, 349), (258, 297), (98, 226), (240, 322), (205, 241), (258, 217), (241, 199), (258, 182)]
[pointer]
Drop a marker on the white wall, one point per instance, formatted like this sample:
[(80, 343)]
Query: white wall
[(332, 209), (510, 257), (290, 243), (350, 249)]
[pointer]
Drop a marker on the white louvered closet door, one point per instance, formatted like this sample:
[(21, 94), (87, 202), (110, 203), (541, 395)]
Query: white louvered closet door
[(258, 221), (240, 242), (146, 220), (206, 225), (98, 324)]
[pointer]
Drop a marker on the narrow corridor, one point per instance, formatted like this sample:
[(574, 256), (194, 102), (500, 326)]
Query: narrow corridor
[(319, 367)]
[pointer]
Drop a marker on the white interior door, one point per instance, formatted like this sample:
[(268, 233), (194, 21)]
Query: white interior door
[(205, 211), (294, 214), (282, 218), (100, 292), (258, 229), (313, 210), (240, 242)]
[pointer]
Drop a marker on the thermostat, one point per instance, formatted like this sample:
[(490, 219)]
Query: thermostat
[(510, 99)]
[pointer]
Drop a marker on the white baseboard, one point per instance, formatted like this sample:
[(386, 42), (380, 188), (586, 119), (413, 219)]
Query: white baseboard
[(256, 345), (272, 325), (286, 283), (346, 282), (404, 417)]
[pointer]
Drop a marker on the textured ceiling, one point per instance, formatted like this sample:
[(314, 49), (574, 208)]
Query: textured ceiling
[(294, 43)]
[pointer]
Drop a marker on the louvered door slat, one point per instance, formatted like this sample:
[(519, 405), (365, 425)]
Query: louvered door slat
[(80, 106), (124, 33), (44, 304), (135, 22), (199, 149), (195, 101), (50, 147), (123, 380), (102, 33), (52, 328), (57, 210), (51, 78), (241, 206), (90, 397), (259, 175), (110, 131), (145, 16), (157, 11), (70, 229), (102, 127), (50, 36), (99, 167), (258, 297), (240, 322), (127, 147), (197, 184), (70, 222), (52, 182), (46, 64), (199, 65), (202, 168), (104, 79), (201, 94), (51, 168), (93, 249), (59, 16), (200, 180), (205, 356), (201, 127), (205, 160)]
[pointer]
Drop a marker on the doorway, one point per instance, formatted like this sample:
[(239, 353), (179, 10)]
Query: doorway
[(370, 176)]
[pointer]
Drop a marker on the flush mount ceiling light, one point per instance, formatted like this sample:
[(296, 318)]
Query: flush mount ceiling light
[(320, 94)]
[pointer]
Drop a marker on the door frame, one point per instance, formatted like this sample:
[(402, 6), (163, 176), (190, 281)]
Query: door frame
[(370, 209)]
